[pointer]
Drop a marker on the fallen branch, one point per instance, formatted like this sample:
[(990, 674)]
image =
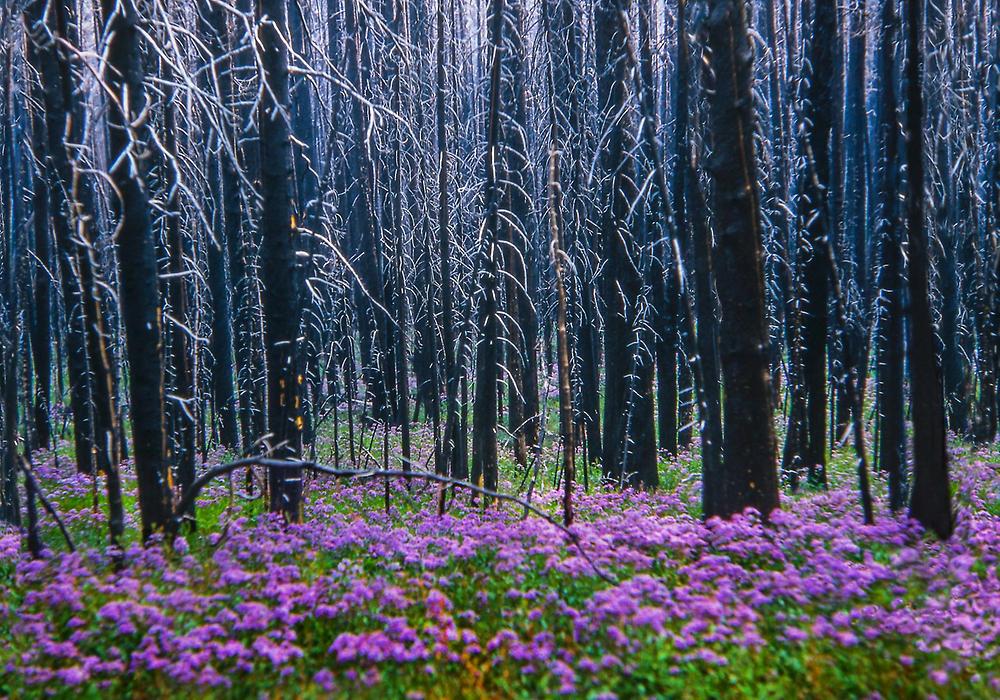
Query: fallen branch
[(49, 508), (365, 474)]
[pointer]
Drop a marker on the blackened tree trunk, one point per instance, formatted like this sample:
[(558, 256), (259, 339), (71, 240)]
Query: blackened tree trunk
[(820, 110), (216, 32), (182, 409), (707, 314), (664, 293), (751, 478), (856, 165), (307, 193), (52, 64), (219, 360), (448, 461), (397, 58), (890, 352), (377, 368), (72, 207), (279, 241), (930, 501), (10, 509), (109, 441), (484, 416), (629, 441), (776, 201), (942, 177), (127, 138), (516, 240), (243, 245), (41, 334)]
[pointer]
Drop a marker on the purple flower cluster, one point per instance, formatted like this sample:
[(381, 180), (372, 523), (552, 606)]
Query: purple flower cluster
[(355, 596)]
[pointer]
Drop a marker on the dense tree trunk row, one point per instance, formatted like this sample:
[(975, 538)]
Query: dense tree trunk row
[(317, 223)]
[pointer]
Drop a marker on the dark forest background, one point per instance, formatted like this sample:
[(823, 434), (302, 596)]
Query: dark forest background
[(755, 229)]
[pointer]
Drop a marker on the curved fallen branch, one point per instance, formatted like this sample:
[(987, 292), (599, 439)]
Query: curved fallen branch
[(365, 474)]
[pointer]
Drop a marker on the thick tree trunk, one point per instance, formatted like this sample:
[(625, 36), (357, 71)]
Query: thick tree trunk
[(10, 508), (484, 417), (138, 291), (57, 96), (516, 241), (279, 242), (890, 353), (750, 475), (930, 501), (449, 455)]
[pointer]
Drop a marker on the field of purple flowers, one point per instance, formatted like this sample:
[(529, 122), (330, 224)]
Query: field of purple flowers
[(486, 603)]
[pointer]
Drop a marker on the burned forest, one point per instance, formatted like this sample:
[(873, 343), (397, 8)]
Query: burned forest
[(500, 348)]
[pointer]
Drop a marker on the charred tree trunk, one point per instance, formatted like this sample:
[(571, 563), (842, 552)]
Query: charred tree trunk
[(128, 137), (221, 283), (856, 166), (10, 508), (243, 245), (930, 501), (182, 410), (449, 456), (750, 476), (52, 64), (307, 192), (484, 417), (397, 58), (279, 242), (629, 442), (889, 329), (707, 314), (516, 241), (72, 205), (41, 335), (820, 109), (665, 302)]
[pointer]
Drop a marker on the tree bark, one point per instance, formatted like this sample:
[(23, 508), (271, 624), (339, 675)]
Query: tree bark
[(820, 108), (629, 442), (279, 242), (128, 138), (748, 439), (930, 500), (57, 93), (484, 416)]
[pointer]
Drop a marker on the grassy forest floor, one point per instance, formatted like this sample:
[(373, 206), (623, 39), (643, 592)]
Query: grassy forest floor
[(486, 603)]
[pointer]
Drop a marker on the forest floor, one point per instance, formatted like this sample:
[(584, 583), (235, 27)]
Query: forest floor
[(361, 602)]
